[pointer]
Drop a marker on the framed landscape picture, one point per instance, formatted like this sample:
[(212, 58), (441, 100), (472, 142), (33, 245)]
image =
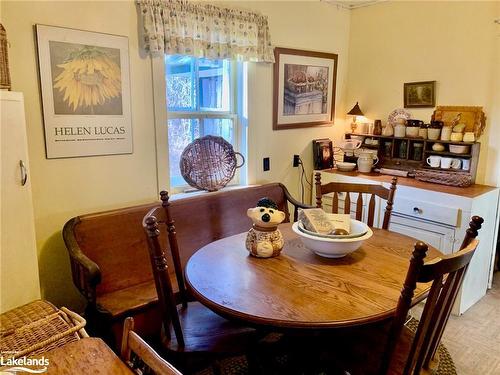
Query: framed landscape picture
[(303, 88), (85, 87), (419, 94)]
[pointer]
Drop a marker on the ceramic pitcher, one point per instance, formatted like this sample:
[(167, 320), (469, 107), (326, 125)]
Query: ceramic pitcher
[(366, 161)]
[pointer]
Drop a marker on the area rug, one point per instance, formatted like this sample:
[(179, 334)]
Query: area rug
[(280, 362)]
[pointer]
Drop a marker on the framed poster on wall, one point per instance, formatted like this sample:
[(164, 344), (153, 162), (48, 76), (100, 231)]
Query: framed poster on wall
[(85, 87), (303, 88)]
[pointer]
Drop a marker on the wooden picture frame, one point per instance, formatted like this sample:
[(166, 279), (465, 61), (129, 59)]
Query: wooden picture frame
[(304, 85), (419, 94), (472, 116)]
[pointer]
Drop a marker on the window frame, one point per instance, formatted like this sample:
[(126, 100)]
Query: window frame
[(162, 115)]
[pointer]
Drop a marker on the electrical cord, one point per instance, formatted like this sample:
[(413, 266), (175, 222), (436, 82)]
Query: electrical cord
[(302, 178)]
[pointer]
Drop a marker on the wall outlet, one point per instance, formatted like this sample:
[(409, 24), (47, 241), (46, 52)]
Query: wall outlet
[(296, 160), (265, 164)]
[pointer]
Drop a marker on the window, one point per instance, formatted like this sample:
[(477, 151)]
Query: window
[(202, 99)]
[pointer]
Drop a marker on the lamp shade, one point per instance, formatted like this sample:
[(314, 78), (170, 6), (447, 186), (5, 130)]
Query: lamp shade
[(355, 111)]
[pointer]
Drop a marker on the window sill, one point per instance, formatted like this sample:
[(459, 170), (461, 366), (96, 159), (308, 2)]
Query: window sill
[(193, 192)]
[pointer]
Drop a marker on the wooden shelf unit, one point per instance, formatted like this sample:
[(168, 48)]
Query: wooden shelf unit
[(408, 162)]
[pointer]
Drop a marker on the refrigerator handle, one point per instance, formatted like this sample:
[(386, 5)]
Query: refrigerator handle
[(24, 173)]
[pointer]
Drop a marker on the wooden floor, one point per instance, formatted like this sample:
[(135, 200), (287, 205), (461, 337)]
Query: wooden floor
[(473, 339)]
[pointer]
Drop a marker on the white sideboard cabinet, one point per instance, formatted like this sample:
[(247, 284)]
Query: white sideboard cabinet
[(438, 215)]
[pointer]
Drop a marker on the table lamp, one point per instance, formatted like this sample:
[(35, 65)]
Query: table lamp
[(355, 111)]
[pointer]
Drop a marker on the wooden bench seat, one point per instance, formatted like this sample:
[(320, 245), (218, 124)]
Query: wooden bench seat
[(110, 260), (128, 300)]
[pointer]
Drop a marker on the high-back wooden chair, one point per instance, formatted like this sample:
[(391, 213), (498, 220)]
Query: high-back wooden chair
[(410, 351), (192, 327), (133, 343), (446, 275), (374, 190)]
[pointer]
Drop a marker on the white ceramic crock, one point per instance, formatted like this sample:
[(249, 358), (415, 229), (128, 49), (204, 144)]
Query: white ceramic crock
[(366, 161)]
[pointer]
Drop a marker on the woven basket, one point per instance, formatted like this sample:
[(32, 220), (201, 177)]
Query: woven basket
[(209, 163), (38, 327), (444, 177), (4, 60)]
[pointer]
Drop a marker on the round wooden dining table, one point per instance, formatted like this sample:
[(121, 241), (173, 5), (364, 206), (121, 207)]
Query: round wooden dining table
[(300, 289)]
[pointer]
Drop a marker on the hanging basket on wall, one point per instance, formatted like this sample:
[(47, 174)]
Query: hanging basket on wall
[(209, 163), (4, 60)]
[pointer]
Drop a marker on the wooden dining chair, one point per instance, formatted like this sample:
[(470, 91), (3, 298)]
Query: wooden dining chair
[(137, 354), (375, 190), (407, 352), (190, 327)]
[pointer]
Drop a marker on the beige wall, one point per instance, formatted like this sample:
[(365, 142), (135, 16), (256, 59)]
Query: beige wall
[(300, 25), (67, 187), (64, 188), (454, 43)]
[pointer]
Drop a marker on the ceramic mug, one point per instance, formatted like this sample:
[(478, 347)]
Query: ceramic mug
[(446, 163), (434, 161), (456, 163), (465, 164)]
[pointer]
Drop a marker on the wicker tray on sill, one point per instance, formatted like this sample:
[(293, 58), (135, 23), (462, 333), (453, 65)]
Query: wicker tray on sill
[(461, 179)]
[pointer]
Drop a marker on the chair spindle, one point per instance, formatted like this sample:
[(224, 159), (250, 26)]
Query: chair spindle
[(347, 204), (359, 207)]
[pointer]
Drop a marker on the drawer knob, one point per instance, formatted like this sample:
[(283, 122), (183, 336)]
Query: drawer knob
[(417, 210)]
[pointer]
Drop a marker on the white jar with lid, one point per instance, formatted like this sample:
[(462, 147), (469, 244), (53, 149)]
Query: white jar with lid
[(446, 133), (469, 137), (400, 131)]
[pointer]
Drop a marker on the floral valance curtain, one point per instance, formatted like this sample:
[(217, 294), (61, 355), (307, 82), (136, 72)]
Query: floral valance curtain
[(204, 30)]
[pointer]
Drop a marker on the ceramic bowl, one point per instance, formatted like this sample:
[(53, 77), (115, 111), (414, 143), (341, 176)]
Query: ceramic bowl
[(345, 166), (358, 229), (331, 247), (459, 149)]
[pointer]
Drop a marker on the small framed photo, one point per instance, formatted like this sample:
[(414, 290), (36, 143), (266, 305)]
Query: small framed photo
[(419, 94), (303, 88), (322, 153)]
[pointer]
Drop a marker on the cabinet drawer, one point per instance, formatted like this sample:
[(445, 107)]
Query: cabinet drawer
[(439, 236), (427, 211)]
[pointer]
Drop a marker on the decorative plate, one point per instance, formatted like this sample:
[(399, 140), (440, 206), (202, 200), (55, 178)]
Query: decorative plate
[(398, 113), (209, 163)]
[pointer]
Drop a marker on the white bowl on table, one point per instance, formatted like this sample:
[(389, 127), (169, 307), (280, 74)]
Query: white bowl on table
[(358, 229), (331, 247), (345, 166)]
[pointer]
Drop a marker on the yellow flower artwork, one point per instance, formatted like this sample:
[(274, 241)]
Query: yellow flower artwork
[(87, 81)]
